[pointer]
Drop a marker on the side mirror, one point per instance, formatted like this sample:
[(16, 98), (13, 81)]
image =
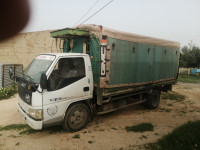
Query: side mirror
[(11, 73), (43, 81)]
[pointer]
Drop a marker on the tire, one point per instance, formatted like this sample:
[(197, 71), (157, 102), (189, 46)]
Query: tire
[(76, 117), (153, 100)]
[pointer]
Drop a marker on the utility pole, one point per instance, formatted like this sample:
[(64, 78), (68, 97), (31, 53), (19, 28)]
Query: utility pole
[(191, 45)]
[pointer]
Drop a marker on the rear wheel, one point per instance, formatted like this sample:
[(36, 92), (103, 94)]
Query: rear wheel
[(153, 100), (76, 117)]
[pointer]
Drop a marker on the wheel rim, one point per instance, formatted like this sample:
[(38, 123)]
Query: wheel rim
[(77, 118)]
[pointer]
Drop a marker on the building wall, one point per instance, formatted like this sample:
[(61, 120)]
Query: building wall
[(23, 48)]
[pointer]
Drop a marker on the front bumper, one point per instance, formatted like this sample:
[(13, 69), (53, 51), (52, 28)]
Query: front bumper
[(37, 125)]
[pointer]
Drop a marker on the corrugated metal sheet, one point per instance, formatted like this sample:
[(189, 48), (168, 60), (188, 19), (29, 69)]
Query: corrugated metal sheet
[(5, 80), (18, 70)]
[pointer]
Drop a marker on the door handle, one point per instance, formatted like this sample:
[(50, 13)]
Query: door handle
[(85, 89)]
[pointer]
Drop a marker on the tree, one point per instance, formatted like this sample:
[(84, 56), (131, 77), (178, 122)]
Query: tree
[(190, 58)]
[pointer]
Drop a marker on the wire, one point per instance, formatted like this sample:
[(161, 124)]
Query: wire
[(97, 11), (86, 12)]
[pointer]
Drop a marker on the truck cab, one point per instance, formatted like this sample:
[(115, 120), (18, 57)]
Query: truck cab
[(51, 84)]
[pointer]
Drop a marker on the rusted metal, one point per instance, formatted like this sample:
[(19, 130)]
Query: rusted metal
[(122, 107), (6, 81), (63, 33), (3, 76), (173, 80), (120, 90)]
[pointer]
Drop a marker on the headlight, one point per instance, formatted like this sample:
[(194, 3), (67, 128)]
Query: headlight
[(36, 113)]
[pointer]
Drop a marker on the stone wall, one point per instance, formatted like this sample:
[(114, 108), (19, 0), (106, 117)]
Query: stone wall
[(23, 48)]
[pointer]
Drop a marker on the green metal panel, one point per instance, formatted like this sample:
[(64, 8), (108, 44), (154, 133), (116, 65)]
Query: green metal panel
[(145, 63), (68, 31), (122, 62), (77, 45), (157, 63), (137, 62), (130, 62), (175, 59), (169, 62), (66, 47), (94, 47)]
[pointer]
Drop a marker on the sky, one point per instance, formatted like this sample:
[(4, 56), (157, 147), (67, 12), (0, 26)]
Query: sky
[(176, 20)]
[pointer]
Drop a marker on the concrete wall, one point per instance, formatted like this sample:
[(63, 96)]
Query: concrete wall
[(22, 48)]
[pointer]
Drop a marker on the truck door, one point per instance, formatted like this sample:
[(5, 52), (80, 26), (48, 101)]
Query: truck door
[(68, 81)]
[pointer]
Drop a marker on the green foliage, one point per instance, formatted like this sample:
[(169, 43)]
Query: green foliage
[(189, 79), (28, 131), (185, 137), (140, 127), (76, 136), (6, 93), (172, 96), (51, 130), (14, 127), (25, 129), (90, 142), (114, 128), (13, 136), (190, 58)]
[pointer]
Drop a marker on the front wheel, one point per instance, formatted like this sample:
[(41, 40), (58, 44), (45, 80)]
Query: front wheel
[(77, 117), (153, 99)]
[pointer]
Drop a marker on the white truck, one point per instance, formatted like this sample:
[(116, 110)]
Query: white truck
[(70, 80), (100, 70)]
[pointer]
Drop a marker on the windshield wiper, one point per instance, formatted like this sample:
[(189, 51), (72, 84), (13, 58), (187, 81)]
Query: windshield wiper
[(32, 82)]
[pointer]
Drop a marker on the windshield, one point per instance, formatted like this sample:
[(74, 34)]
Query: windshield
[(38, 66)]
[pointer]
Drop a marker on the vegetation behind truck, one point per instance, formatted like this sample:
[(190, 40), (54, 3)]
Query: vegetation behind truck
[(99, 71)]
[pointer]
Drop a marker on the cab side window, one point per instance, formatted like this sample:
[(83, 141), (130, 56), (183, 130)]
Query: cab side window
[(66, 72)]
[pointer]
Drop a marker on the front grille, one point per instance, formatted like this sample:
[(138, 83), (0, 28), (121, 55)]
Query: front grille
[(24, 93)]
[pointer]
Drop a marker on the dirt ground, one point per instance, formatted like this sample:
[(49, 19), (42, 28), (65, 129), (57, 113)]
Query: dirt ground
[(106, 132)]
